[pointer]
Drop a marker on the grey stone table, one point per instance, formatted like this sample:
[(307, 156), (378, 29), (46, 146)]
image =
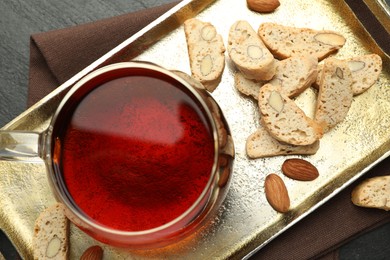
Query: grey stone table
[(20, 18)]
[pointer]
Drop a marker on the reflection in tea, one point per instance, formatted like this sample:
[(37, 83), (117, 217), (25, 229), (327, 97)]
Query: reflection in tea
[(136, 152)]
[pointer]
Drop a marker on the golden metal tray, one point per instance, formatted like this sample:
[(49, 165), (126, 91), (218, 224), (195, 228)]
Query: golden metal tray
[(245, 222)]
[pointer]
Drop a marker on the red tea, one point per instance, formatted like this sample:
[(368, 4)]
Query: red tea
[(136, 152)]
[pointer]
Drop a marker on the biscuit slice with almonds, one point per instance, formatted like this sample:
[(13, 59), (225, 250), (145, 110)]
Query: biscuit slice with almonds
[(248, 52), (365, 71), (246, 86), (261, 144), (335, 93), (294, 75), (284, 120), (373, 192), (206, 52), (51, 234), (285, 41)]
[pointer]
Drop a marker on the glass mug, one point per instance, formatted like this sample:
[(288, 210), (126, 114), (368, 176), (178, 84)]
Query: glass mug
[(139, 155)]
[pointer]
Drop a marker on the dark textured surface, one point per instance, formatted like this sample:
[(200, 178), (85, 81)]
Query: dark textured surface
[(19, 19), (372, 245)]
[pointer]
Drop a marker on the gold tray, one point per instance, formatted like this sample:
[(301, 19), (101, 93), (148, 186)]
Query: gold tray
[(245, 222)]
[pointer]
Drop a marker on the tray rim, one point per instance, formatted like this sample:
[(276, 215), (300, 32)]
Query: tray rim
[(376, 15), (378, 8)]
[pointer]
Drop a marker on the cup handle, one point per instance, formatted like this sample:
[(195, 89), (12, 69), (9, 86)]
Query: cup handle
[(22, 146)]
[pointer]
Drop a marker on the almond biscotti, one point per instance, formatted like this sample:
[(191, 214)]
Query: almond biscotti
[(206, 52), (262, 144), (284, 120), (295, 74), (285, 41), (373, 193), (365, 71), (51, 234), (248, 52), (335, 93), (246, 86)]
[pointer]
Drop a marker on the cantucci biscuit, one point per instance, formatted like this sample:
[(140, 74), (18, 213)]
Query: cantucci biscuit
[(248, 52), (284, 120), (285, 41), (262, 144), (246, 86), (335, 93), (373, 193), (365, 71), (295, 74), (51, 234), (206, 52)]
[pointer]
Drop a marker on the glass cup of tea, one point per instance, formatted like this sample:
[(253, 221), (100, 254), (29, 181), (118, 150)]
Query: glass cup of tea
[(139, 155)]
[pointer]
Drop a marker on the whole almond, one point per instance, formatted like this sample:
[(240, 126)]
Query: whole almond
[(92, 253), (276, 193), (263, 6), (299, 169)]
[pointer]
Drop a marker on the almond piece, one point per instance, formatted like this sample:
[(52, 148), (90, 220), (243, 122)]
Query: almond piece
[(254, 52), (276, 193), (53, 247), (206, 65), (263, 6), (299, 169), (276, 101), (92, 253), (339, 73), (329, 38), (356, 65), (208, 32)]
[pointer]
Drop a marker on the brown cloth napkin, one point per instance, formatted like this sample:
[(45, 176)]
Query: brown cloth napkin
[(57, 55)]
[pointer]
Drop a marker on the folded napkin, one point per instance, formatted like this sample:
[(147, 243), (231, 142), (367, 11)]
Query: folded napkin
[(57, 55)]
